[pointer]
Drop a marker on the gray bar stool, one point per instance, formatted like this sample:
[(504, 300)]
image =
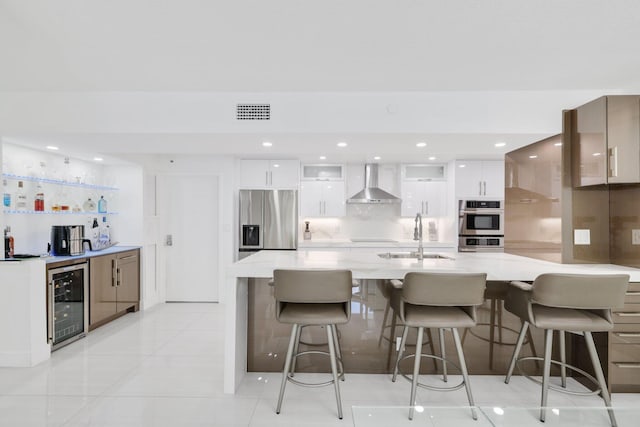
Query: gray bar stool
[(312, 297), (575, 303), (442, 301)]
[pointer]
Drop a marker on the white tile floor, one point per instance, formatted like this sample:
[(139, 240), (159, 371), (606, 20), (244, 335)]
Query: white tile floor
[(163, 367)]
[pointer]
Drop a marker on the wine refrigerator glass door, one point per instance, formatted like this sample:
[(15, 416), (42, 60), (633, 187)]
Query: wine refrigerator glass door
[(68, 311)]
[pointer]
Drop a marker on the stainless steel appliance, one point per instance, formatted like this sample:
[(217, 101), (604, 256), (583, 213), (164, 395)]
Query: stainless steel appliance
[(371, 194), (481, 218), (481, 226), (67, 240), (68, 312), (268, 220)]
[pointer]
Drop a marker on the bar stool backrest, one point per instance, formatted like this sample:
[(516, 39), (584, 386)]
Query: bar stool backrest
[(312, 286), (580, 291), (444, 289)]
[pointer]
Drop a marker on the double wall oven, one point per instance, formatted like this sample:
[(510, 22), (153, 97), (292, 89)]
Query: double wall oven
[(481, 225)]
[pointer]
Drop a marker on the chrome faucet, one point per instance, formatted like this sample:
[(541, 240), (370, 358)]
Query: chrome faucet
[(417, 235)]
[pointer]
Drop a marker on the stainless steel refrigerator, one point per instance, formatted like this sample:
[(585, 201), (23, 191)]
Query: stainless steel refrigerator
[(268, 220)]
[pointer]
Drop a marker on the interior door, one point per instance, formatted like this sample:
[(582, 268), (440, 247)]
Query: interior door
[(188, 206)]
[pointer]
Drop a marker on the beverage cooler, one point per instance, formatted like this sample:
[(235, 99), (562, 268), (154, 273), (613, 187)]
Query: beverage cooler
[(68, 313)]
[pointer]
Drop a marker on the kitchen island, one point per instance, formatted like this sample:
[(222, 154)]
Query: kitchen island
[(368, 265)]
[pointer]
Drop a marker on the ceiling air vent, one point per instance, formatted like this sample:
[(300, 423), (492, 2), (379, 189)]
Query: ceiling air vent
[(253, 111)]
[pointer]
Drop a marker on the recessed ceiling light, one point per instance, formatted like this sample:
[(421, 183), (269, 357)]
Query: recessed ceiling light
[(342, 144), (500, 144), (533, 156), (421, 144), (276, 165), (98, 159), (376, 158), (462, 166), (267, 144), (432, 158), (558, 144), (596, 154), (323, 157), (52, 147)]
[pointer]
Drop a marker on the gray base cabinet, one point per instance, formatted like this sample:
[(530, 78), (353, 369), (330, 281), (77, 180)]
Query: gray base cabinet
[(114, 286)]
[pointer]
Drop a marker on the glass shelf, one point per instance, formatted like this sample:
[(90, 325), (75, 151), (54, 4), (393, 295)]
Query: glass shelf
[(31, 212), (59, 182)]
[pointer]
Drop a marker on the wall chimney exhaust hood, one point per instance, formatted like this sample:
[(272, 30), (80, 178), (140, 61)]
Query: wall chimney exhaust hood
[(371, 194)]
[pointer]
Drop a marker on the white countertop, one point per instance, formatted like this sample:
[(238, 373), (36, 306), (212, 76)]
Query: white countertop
[(372, 243), (367, 265)]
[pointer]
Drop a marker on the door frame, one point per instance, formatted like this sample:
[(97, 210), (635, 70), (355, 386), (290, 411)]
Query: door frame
[(162, 257)]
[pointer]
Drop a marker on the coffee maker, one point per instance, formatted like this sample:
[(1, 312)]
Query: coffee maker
[(67, 240)]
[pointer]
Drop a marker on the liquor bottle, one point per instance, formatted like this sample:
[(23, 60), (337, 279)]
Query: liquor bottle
[(105, 234), (6, 198), (38, 202), (89, 205), (102, 205), (21, 197), (8, 243)]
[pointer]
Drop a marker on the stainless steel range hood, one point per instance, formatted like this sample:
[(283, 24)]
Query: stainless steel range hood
[(371, 194)]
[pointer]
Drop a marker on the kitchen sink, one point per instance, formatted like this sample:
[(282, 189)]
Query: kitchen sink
[(412, 255)]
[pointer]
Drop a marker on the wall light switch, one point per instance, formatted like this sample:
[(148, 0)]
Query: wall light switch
[(635, 237), (582, 237)]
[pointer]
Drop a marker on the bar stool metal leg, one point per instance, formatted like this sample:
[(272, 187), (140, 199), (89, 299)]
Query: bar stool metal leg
[(492, 331), (336, 343), (432, 348), (516, 351), (416, 372), (563, 359), (384, 322), (465, 374), (287, 364), (443, 354), (334, 368), (403, 341), (595, 360), (296, 346), (548, 344)]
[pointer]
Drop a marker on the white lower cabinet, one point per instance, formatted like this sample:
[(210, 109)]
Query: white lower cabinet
[(426, 198), (322, 198)]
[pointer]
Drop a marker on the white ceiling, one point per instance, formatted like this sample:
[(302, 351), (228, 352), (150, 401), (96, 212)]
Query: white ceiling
[(280, 46)]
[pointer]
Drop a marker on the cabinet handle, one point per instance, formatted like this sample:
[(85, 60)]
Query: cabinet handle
[(127, 257), (484, 183), (629, 314), (50, 319), (118, 277), (426, 208), (320, 207), (628, 334), (324, 207), (632, 294), (479, 188), (114, 273), (627, 365), (613, 162), (271, 178)]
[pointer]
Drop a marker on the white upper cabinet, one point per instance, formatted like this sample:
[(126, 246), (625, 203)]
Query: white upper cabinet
[(269, 173), (423, 197), (323, 172), (424, 190), (423, 172), (322, 199), (479, 178)]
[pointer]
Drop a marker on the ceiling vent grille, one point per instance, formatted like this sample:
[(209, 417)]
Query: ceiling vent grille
[(253, 111)]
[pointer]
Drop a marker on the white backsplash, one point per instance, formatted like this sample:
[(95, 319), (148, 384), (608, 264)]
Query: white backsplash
[(365, 221)]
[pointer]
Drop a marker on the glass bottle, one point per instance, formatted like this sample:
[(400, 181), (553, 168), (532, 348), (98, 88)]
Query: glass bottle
[(89, 205), (102, 205), (38, 202), (6, 198), (21, 197)]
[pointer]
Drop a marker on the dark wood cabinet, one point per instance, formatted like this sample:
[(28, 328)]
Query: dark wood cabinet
[(114, 287)]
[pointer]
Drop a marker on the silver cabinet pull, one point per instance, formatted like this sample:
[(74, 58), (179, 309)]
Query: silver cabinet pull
[(426, 208), (127, 257), (629, 314), (627, 365), (633, 294), (628, 334), (320, 207), (479, 188), (485, 187), (613, 162)]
